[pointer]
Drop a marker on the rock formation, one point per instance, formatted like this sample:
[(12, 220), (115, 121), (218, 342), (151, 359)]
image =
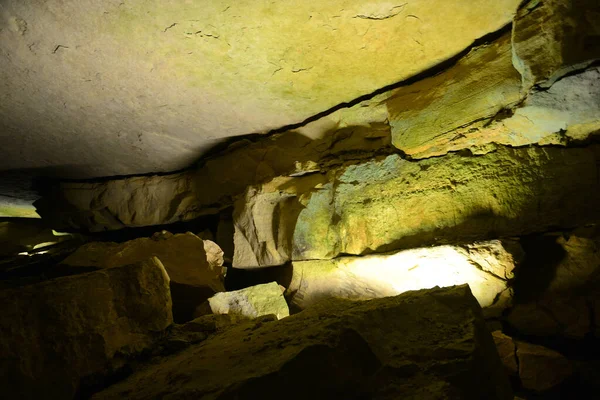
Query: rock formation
[(408, 345), (251, 302), (62, 334)]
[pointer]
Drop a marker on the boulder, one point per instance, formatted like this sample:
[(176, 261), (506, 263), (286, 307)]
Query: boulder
[(507, 350), (424, 116), (194, 278), (251, 302), (568, 40), (540, 368), (567, 316), (183, 255), (63, 334), (484, 266), (427, 344)]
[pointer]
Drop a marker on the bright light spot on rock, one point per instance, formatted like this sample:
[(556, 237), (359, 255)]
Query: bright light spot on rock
[(44, 244), (389, 275)]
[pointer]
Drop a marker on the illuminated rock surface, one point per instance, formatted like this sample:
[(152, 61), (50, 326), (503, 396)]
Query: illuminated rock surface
[(147, 86), (251, 302), (58, 333), (426, 344), (367, 277), (392, 203), (194, 275)]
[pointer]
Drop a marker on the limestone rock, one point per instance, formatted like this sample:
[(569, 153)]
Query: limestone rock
[(195, 274), (477, 88), (567, 316), (119, 203), (563, 114), (214, 255), (361, 278), (428, 344), (146, 86), (183, 255), (58, 334), (540, 368), (507, 350), (252, 302), (393, 203), (554, 37), (21, 234)]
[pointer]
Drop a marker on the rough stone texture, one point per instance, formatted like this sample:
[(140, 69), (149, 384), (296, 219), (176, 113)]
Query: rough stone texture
[(56, 334), (567, 316), (252, 302), (214, 255), (121, 88), (119, 203), (477, 88), (554, 37), (563, 114), (183, 256), (507, 350), (429, 344), (361, 278), (540, 368), (392, 203)]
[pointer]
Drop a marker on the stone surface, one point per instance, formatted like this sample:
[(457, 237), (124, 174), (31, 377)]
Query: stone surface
[(195, 274), (391, 203), (540, 368), (119, 203), (507, 350), (429, 344), (183, 256), (361, 278), (60, 334), (554, 37), (251, 302), (142, 86), (477, 88), (21, 234), (214, 255), (563, 114), (567, 316)]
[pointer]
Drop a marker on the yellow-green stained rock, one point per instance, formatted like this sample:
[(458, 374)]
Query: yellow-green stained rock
[(554, 37), (476, 88), (128, 87), (251, 302), (393, 203), (183, 256), (60, 334)]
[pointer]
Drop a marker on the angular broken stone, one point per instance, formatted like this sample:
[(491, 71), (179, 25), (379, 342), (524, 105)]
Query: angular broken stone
[(195, 275), (568, 40), (540, 368), (183, 255), (507, 350), (251, 302), (63, 333), (484, 266), (430, 344)]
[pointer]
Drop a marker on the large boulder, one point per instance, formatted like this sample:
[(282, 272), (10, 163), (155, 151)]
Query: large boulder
[(251, 302), (194, 278), (428, 344), (485, 266), (63, 334)]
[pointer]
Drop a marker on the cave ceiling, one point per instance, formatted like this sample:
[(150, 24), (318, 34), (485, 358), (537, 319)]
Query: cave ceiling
[(120, 87)]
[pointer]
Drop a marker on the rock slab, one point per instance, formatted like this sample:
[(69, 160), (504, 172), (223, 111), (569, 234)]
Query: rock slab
[(428, 344), (251, 302), (58, 334)]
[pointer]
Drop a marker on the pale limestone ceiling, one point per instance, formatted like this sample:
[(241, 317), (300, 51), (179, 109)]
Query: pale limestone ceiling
[(115, 87)]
